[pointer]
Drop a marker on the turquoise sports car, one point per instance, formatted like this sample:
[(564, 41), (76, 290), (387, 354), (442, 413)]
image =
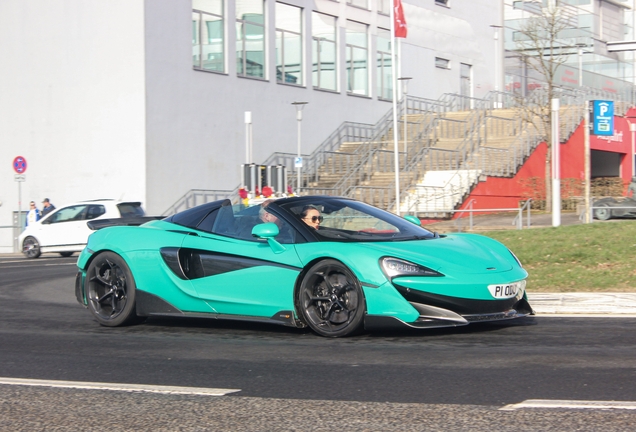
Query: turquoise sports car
[(336, 265)]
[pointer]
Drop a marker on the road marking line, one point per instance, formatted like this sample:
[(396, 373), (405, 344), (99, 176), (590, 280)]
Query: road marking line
[(38, 265), (119, 387), (569, 404)]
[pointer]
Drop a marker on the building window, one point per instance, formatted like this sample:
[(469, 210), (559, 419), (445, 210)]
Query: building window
[(208, 35), (250, 38), (289, 41), (357, 59), (384, 7), (324, 51), (442, 63), (364, 4), (384, 78)]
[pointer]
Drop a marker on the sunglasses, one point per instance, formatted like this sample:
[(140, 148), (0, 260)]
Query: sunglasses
[(315, 218)]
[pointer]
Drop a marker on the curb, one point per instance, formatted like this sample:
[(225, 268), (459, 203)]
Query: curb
[(583, 303)]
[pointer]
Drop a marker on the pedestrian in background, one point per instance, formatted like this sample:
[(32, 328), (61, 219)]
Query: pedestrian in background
[(48, 207), (33, 215)]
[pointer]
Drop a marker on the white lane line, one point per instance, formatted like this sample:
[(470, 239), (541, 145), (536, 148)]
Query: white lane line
[(119, 387), (569, 404), (38, 265)]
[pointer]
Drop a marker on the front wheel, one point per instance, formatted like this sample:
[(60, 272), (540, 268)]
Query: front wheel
[(330, 300), (110, 291), (602, 212), (31, 247)]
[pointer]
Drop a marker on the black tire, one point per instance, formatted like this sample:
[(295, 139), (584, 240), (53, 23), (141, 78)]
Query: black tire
[(66, 254), (31, 247), (110, 291), (330, 300), (602, 212)]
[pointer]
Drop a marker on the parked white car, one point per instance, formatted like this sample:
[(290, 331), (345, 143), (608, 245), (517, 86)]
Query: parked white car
[(65, 229)]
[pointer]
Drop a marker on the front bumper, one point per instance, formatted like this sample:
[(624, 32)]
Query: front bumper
[(455, 312)]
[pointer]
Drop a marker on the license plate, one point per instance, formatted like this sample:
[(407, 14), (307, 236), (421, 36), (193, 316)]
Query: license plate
[(505, 291)]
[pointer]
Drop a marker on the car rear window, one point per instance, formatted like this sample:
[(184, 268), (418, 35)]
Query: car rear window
[(130, 209)]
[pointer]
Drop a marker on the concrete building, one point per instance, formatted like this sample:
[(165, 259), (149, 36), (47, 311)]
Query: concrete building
[(585, 45), (146, 99)]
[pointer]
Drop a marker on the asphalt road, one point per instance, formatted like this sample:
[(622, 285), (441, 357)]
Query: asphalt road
[(289, 379)]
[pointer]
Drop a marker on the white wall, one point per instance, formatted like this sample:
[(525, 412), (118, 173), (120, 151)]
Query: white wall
[(72, 102)]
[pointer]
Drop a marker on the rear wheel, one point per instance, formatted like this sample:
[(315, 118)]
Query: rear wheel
[(66, 254), (110, 291), (330, 300), (602, 212), (31, 247)]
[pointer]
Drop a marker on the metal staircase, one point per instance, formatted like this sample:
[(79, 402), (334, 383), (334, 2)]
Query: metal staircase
[(465, 138)]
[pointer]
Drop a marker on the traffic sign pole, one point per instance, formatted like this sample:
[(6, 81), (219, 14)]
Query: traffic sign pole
[(19, 166)]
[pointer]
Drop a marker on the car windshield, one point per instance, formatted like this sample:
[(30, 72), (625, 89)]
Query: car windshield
[(348, 220)]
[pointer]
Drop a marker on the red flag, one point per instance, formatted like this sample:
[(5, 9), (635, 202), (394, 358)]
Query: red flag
[(399, 21)]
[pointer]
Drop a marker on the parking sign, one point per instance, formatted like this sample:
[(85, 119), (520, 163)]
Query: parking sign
[(602, 118)]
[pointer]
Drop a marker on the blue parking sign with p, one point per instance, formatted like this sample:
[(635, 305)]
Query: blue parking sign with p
[(603, 117)]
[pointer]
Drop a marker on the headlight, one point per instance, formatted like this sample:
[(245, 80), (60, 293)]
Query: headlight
[(393, 267)]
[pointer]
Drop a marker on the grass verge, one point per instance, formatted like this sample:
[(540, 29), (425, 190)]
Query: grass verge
[(596, 257)]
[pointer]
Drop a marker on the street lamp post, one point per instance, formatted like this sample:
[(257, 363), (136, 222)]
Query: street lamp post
[(496, 29), (248, 137), (299, 160), (580, 53), (405, 91)]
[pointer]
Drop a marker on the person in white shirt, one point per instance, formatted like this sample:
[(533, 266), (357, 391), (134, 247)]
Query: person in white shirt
[(33, 215)]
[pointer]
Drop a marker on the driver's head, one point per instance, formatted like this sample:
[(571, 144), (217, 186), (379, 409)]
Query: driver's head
[(264, 215)]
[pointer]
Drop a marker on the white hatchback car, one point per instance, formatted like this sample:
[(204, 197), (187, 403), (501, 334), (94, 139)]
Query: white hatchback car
[(65, 229)]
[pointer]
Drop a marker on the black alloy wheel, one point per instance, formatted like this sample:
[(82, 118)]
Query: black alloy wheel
[(330, 300), (110, 291), (31, 247)]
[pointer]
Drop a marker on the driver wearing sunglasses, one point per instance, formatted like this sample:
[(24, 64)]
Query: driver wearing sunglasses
[(311, 216)]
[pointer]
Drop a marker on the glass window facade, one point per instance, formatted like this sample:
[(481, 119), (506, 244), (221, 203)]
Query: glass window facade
[(383, 61), (289, 44), (250, 38), (384, 7), (208, 35), (357, 58), (359, 3), (324, 51), (442, 63)]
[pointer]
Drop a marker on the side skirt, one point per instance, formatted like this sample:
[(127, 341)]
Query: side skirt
[(151, 305)]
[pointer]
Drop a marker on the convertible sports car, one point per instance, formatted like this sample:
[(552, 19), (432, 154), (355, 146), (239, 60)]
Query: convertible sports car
[(363, 268)]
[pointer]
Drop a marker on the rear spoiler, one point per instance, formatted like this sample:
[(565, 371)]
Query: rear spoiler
[(125, 221)]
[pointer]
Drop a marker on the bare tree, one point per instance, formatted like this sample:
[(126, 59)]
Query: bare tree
[(540, 41)]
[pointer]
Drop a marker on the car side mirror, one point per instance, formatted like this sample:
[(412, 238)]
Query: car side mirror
[(413, 220), (268, 231), (265, 230)]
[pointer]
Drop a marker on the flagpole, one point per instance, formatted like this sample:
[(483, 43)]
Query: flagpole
[(396, 152)]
